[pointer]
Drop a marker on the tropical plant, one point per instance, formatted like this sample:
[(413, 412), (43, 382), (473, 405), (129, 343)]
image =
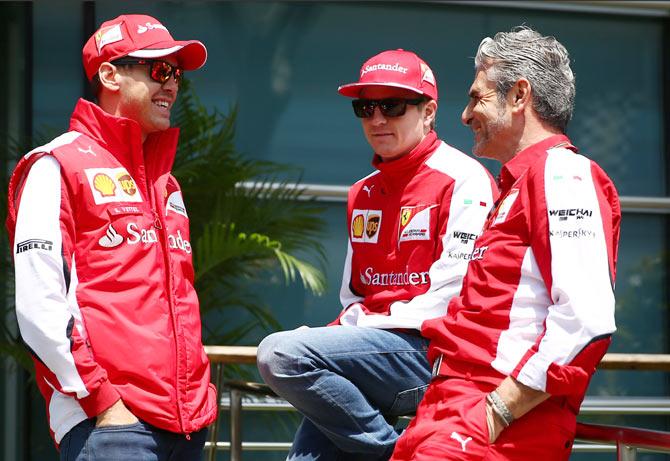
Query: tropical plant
[(248, 223)]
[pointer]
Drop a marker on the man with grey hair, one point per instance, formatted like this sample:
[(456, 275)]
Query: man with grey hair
[(514, 354)]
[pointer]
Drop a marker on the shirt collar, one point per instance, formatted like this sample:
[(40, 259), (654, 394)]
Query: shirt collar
[(513, 169)]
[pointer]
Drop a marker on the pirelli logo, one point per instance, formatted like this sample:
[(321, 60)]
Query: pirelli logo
[(34, 244)]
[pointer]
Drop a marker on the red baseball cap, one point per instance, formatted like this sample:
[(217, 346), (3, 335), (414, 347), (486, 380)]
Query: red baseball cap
[(396, 68), (139, 36)]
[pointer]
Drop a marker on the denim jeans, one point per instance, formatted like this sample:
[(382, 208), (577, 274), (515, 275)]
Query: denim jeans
[(136, 442), (346, 381)]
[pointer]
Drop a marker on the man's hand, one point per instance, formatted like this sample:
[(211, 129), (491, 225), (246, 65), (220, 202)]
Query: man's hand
[(116, 415), (518, 398)]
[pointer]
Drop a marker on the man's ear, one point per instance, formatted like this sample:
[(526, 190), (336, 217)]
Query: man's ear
[(429, 112), (109, 76), (520, 95)]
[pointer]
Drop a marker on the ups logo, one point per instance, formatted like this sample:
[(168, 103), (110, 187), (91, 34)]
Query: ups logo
[(372, 226)]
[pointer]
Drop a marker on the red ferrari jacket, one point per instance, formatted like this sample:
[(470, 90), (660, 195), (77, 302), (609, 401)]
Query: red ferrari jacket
[(538, 298), (412, 225), (104, 276)]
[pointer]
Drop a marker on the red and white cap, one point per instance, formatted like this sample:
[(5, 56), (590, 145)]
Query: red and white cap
[(396, 68), (139, 36)]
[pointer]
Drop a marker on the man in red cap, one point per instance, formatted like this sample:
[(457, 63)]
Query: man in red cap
[(104, 277), (411, 225)]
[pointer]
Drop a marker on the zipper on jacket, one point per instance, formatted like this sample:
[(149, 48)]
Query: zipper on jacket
[(158, 224), (157, 221)]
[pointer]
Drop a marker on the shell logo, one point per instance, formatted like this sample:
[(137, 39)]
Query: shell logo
[(127, 184), (104, 184), (357, 226)]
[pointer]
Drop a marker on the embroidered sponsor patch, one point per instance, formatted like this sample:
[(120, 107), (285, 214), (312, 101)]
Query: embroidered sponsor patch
[(505, 206), (110, 185), (107, 35), (121, 210), (414, 223), (111, 238), (365, 225), (175, 203), (34, 244)]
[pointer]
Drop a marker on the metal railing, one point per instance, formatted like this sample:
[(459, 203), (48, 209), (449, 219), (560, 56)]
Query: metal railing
[(624, 441), (591, 406)]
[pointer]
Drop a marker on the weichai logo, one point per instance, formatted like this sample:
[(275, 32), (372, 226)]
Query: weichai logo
[(464, 237), (578, 213)]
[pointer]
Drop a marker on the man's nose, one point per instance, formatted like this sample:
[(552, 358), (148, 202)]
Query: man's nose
[(466, 116), (377, 117)]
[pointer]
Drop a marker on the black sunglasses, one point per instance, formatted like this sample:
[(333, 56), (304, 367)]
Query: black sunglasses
[(389, 107), (159, 71)]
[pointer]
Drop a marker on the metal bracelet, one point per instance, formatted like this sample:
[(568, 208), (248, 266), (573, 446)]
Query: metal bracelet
[(499, 407)]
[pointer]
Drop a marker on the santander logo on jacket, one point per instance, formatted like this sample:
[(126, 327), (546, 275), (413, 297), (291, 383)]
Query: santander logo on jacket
[(411, 227)]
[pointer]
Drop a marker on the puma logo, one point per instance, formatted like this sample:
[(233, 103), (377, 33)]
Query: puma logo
[(368, 189), (459, 438), (86, 151)]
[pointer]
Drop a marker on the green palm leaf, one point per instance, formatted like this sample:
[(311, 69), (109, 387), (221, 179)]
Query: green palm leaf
[(248, 219)]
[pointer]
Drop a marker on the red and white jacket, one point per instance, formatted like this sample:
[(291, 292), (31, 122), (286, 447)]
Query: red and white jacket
[(538, 298), (104, 276), (412, 225)]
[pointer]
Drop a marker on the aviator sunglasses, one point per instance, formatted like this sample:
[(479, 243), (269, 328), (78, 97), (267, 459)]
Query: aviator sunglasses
[(159, 71), (389, 107)]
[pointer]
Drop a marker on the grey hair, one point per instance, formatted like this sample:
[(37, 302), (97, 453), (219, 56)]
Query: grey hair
[(543, 61)]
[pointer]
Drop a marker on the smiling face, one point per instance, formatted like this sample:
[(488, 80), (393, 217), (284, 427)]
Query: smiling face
[(489, 119), (393, 137), (144, 100)]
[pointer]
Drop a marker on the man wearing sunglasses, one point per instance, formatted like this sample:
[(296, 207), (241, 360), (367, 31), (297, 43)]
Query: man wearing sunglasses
[(411, 226), (104, 276), (514, 354)]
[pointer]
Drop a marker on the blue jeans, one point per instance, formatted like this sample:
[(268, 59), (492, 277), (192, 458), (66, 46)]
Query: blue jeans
[(137, 442), (346, 381)]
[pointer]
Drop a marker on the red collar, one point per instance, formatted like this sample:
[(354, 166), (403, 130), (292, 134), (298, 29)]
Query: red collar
[(406, 165), (123, 138), (513, 169)]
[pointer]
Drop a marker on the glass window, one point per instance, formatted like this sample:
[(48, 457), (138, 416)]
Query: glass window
[(281, 64)]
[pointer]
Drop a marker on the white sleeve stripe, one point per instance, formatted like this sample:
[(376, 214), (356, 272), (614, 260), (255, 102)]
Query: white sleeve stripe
[(62, 140), (347, 297), (581, 292), (41, 305), (466, 219)]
